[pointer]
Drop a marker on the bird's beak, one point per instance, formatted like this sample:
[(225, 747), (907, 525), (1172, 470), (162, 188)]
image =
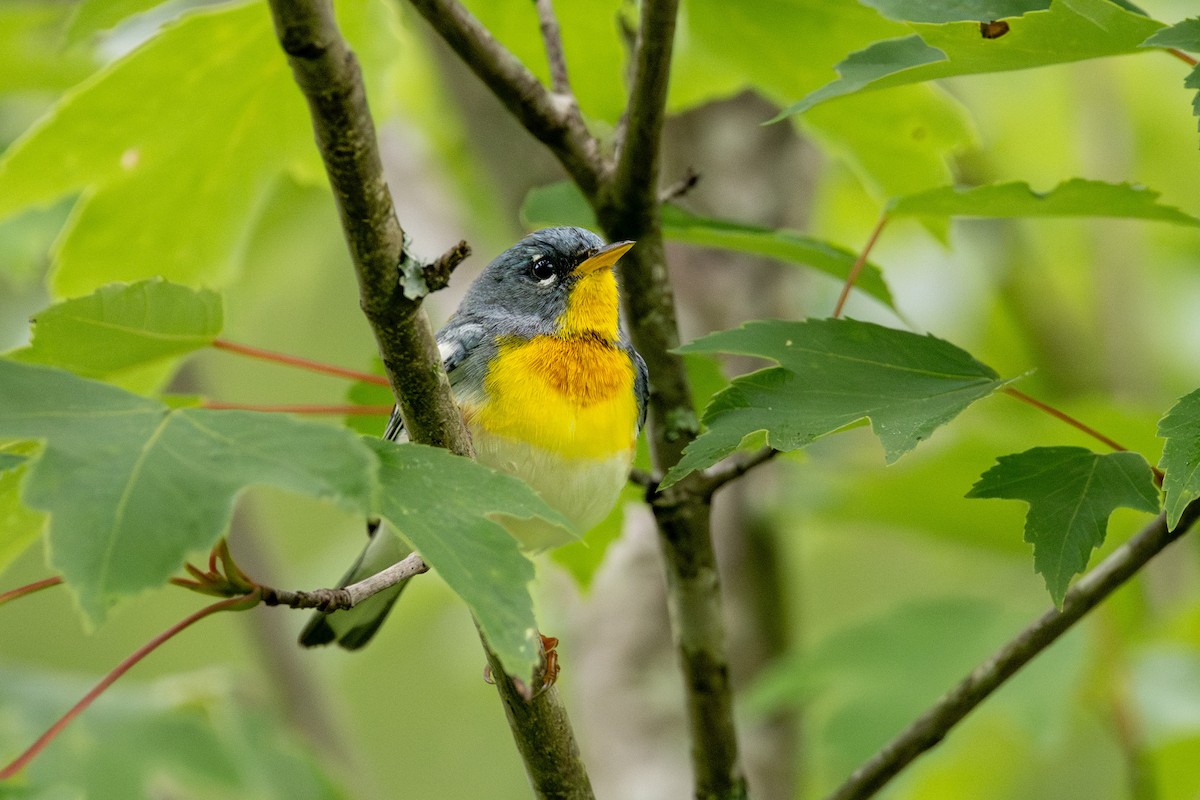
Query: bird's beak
[(604, 258)]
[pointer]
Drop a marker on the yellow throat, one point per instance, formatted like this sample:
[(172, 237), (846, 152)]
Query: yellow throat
[(570, 393)]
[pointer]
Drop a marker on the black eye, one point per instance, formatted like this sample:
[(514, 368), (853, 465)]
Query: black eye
[(542, 270)]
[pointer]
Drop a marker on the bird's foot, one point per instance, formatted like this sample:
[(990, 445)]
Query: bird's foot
[(550, 669)]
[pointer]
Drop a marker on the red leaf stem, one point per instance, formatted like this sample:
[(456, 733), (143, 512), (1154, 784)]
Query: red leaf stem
[(858, 265), (336, 410), (296, 361), (36, 586)]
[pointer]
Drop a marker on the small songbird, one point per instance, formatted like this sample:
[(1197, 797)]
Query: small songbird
[(550, 388)]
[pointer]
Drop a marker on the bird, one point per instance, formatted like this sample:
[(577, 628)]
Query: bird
[(550, 388)]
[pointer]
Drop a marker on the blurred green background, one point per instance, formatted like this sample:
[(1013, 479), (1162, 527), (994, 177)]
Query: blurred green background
[(856, 593)]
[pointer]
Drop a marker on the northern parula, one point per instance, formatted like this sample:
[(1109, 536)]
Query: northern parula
[(550, 388)]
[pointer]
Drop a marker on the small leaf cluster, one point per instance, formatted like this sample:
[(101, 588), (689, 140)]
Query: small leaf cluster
[(133, 486)]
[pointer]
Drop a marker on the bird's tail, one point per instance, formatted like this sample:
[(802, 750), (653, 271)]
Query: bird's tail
[(354, 627)]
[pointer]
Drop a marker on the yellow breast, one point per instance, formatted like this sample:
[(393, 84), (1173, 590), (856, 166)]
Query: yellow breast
[(570, 396)]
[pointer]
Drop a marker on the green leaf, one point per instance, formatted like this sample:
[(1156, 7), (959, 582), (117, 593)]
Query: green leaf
[(705, 377), (123, 326), (865, 67), (133, 487), (93, 16), (1183, 35), (31, 53), (1070, 30), (896, 142), (1192, 81), (1180, 460), (683, 226), (11, 461), (447, 508), (833, 373), (170, 191), (20, 526), (1071, 493), (562, 204), (1077, 197), (938, 11), (24, 241), (201, 735), (783, 49)]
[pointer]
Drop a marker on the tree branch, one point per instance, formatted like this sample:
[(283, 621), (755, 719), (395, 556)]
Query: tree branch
[(932, 726), (628, 208), (560, 83), (391, 283), (329, 76), (716, 478), (695, 605), (549, 119), (635, 179), (347, 597), (552, 760), (438, 273)]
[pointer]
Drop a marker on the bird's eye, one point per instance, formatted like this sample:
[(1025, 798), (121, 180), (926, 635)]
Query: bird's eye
[(543, 272)]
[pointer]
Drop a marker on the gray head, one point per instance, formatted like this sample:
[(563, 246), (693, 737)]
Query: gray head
[(556, 281)]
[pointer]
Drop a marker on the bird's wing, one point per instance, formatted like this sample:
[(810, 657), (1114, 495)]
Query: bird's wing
[(457, 343), (463, 348), (641, 386)]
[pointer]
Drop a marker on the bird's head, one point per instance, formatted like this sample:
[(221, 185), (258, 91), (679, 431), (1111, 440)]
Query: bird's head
[(556, 281)]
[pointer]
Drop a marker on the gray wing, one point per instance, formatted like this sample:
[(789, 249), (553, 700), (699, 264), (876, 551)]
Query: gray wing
[(641, 386), (463, 347), (458, 344)]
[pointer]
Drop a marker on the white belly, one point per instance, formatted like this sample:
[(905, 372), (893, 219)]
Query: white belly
[(583, 490)]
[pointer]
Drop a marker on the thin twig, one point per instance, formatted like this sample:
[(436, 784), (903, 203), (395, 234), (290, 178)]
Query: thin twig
[(858, 265), (348, 596), (560, 83), (549, 120), (22, 760), (932, 726), (680, 187), (437, 274), (644, 479), (296, 361), (716, 478), (28, 589)]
